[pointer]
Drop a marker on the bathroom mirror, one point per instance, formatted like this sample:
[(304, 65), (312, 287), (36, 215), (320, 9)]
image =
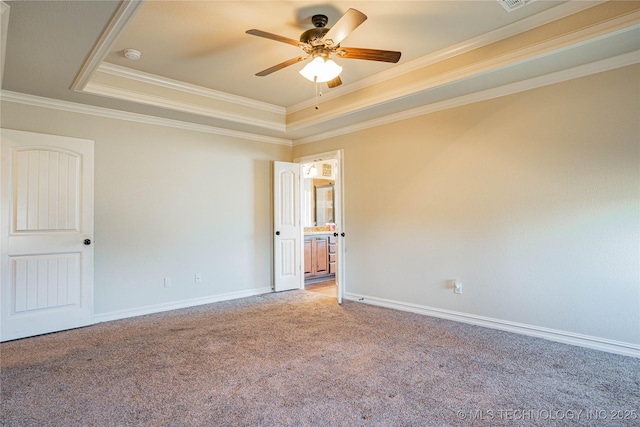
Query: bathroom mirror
[(324, 204)]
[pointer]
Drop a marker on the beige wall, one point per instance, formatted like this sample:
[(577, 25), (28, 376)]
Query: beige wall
[(169, 202), (532, 201)]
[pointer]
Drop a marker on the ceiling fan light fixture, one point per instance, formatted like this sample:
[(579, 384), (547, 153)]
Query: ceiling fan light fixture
[(321, 70)]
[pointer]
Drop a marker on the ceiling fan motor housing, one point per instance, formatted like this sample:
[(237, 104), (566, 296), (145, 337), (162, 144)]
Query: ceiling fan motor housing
[(314, 34), (317, 33)]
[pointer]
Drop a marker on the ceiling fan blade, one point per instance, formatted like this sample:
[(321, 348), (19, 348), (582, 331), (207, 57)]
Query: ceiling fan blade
[(281, 66), (347, 23), (369, 54), (275, 37), (334, 83)]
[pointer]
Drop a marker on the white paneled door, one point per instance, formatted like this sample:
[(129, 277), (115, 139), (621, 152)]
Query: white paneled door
[(287, 226), (46, 270)]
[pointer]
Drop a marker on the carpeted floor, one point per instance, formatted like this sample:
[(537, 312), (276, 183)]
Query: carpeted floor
[(298, 359)]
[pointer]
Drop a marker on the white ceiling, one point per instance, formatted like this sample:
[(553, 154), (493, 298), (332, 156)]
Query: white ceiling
[(198, 65)]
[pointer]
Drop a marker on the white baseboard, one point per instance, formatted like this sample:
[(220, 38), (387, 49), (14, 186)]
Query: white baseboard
[(157, 308), (611, 346)]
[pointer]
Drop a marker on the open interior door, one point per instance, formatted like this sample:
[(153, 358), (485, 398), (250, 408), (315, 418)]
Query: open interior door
[(47, 231), (339, 220), (287, 227)]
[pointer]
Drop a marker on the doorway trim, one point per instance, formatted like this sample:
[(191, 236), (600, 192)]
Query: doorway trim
[(338, 156)]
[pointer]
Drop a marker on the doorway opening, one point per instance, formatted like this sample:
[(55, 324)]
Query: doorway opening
[(319, 226), (322, 221)]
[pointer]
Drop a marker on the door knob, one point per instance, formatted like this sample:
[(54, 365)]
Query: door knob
[(87, 242), (277, 233), (342, 234), (335, 234)]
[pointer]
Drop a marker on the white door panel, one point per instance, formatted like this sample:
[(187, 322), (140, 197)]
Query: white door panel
[(287, 226), (46, 190), (44, 282), (47, 213)]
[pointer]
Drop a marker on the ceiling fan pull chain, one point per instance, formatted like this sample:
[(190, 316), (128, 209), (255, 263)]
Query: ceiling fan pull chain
[(315, 79)]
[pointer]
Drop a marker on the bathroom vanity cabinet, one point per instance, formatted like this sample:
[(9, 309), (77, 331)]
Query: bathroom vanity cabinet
[(319, 257)]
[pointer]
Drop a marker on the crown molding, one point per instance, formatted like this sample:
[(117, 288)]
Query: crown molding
[(37, 101), (4, 27), (552, 78), (152, 79), (596, 32), (561, 11), (185, 107), (557, 77), (521, 86), (125, 13)]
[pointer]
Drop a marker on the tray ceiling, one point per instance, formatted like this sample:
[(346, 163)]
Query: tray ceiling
[(199, 66)]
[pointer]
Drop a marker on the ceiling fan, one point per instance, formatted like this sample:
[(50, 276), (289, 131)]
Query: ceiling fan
[(320, 43)]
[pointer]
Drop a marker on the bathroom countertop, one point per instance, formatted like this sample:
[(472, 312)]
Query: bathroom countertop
[(322, 229)]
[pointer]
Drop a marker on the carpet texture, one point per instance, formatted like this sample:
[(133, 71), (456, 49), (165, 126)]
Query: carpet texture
[(298, 359)]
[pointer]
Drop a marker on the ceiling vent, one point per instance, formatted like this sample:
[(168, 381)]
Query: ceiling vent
[(510, 5)]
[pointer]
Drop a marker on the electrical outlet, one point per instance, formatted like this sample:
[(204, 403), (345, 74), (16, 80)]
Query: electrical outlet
[(457, 287), (197, 278), (167, 282)]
